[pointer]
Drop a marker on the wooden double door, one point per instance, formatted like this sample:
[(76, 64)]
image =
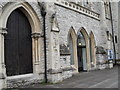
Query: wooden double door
[(18, 45)]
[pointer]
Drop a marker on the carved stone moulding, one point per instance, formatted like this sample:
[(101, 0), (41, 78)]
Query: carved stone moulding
[(36, 35), (3, 31)]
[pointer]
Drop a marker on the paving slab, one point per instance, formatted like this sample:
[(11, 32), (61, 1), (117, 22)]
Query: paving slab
[(107, 78)]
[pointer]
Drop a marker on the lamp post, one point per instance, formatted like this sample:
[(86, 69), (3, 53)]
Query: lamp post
[(43, 14)]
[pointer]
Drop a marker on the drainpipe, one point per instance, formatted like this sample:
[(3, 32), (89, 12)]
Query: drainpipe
[(43, 14), (112, 33)]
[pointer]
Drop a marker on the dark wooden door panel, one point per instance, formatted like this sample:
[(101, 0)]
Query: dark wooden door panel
[(11, 63), (18, 45), (11, 46), (25, 45)]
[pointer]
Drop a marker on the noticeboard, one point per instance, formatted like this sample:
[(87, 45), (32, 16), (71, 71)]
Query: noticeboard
[(110, 54)]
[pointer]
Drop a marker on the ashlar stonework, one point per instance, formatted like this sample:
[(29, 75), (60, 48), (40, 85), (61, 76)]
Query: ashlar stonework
[(78, 38)]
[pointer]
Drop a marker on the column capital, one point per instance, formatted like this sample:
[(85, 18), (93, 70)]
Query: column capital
[(36, 35), (2, 76), (3, 30)]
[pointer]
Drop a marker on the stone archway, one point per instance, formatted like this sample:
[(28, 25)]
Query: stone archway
[(87, 47), (18, 40), (72, 38), (36, 34), (92, 51)]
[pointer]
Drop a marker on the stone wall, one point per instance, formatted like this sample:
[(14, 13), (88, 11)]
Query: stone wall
[(114, 7), (59, 20), (67, 18), (119, 29)]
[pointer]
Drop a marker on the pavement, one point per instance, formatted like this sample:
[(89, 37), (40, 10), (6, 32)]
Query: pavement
[(107, 78)]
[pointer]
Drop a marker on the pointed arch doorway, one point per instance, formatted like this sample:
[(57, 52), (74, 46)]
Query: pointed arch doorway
[(18, 45), (81, 51)]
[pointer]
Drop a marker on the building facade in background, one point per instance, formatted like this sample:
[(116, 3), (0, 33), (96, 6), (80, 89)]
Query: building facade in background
[(80, 36), (119, 29)]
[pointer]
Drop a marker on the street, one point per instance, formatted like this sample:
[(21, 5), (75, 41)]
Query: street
[(107, 78)]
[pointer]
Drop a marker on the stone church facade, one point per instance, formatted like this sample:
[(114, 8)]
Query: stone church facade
[(78, 38)]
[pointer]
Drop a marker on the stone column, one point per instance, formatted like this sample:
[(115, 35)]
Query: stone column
[(2, 61), (36, 52), (54, 72), (102, 57)]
